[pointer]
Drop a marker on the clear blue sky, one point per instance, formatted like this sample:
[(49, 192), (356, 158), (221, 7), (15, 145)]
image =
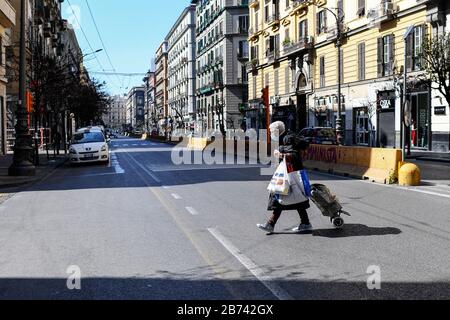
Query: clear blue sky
[(131, 31)]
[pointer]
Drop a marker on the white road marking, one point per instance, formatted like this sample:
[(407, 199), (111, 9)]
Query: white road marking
[(115, 163), (149, 171), (251, 266), (180, 168), (176, 196), (157, 180), (386, 185), (166, 187), (428, 192), (192, 211)]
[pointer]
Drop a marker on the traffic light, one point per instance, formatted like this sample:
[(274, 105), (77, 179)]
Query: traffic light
[(242, 107)]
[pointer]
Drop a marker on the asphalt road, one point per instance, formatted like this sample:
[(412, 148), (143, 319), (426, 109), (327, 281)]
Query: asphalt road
[(144, 228)]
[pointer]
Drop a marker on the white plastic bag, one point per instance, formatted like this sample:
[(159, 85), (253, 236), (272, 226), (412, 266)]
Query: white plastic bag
[(280, 180), (297, 193)]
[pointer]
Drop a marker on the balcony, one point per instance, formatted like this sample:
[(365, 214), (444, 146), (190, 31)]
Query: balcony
[(252, 65), (382, 13), (7, 14), (242, 55), (292, 47), (273, 19), (272, 56)]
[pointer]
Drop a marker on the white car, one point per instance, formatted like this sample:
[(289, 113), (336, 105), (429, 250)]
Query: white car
[(89, 146)]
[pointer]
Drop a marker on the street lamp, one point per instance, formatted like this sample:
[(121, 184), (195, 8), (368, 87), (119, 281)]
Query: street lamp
[(339, 37), (22, 159), (404, 102), (91, 53)]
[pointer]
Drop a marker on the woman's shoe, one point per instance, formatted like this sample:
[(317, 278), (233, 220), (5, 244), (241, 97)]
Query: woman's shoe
[(303, 228), (266, 227)]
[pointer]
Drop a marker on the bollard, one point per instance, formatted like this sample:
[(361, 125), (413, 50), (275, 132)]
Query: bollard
[(409, 175)]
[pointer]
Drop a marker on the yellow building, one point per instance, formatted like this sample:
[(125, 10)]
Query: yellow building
[(293, 51)]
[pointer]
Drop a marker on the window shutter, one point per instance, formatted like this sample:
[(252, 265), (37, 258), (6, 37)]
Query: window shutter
[(306, 29), (391, 54), (324, 21), (409, 52), (380, 57), (425, 38), (318, 23)]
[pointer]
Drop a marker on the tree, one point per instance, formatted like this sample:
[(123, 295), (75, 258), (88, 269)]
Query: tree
[(436, 58)]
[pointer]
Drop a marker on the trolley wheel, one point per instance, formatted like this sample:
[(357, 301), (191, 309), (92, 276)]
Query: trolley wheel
[(338, 222)]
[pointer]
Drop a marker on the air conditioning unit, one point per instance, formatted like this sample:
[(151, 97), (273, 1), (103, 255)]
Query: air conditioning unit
[(389, 8)]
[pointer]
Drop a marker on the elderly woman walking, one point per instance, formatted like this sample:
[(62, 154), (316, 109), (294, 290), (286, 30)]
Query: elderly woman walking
[(290, 146)]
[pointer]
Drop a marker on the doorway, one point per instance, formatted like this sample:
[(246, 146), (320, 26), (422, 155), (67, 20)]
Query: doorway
[(420, 127)]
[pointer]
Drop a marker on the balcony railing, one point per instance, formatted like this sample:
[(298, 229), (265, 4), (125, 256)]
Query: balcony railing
[(383, 12), (292, 47)]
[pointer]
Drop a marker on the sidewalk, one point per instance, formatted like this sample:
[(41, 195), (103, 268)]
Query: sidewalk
[(430, 156), (46, 167)]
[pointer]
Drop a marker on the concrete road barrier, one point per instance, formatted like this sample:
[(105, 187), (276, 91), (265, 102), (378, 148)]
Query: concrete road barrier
[(375, 164)]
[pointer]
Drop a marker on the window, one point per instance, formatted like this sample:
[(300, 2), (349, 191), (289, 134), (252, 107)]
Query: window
[(322, 72), (414, 45), (361, 8), (321, 22), (362, 61), (267, 11), (255, 52), (303, 29), (243, 24), (385, 59)]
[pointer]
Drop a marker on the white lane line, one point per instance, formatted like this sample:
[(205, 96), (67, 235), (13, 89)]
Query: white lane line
[(166, 187), (157, 180), (149, 171), (428, 192), (205, 168), (192, 211), (251, 266), (176, 196), (383, 185)]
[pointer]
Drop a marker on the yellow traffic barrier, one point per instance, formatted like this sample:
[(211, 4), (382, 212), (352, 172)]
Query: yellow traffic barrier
[(374, 164), (409, 175)]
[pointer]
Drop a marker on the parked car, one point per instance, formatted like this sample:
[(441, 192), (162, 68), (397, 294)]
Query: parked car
[(319, 135), (89, 146)]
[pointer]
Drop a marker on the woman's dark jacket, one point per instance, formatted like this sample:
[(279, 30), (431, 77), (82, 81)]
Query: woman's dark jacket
[(291, 145)]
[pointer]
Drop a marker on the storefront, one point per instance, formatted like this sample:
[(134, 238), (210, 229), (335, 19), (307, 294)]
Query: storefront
[(386, 118), (286, 114), (421, 118), (255, 116)]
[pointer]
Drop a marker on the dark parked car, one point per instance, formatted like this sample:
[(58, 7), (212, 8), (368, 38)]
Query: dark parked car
[(319, 135)]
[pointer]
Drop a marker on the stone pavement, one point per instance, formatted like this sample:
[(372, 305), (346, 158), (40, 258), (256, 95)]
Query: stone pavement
[(46, 166)]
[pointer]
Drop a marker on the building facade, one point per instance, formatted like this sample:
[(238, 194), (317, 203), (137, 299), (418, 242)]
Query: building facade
[(222, 52), (135, 109), (115, 118), (294, 54), (161, 76), (7, 22), (181, 70), (439, 16), (151, 120)]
